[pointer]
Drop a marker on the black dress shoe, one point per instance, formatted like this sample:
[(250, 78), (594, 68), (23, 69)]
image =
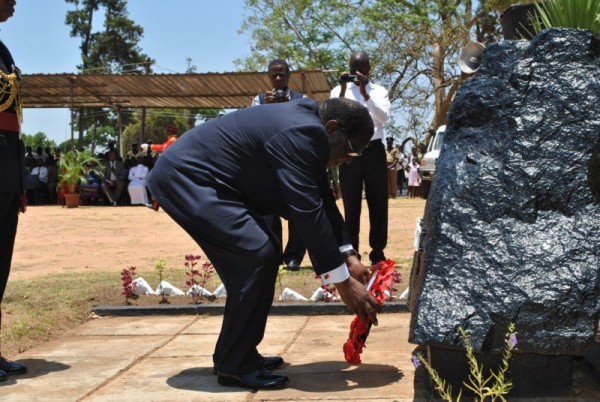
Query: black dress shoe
[(3, 376), (259, 379), (271, 362), (268, 362), (292, 265), (11, 368)]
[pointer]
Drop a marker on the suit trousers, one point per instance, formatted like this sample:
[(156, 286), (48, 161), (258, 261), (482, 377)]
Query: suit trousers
[(249, 276), (369, 171)]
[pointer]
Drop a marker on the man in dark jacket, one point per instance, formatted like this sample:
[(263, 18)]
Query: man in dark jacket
[(221, 179), (12, 170), (279, 77)]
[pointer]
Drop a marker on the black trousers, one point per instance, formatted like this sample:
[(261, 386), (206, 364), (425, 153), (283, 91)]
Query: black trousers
[(9, 216), (249, 276), (368, 171)]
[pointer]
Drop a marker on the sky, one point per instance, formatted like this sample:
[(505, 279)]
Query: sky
[(204, 30)]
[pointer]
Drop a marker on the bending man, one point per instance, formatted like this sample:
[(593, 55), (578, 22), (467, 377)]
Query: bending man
[(221, 179)]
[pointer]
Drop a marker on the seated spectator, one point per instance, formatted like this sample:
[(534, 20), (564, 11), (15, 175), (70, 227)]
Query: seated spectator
[(137, 183), (89, 191), (115, 178)]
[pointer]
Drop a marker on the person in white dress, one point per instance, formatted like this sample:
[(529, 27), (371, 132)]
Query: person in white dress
[(137, 183)]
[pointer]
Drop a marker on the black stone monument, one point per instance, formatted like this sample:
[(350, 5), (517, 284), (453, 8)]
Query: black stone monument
[(511, 231)]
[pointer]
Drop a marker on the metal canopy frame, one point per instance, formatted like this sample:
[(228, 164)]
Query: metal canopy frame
[(188, 91)]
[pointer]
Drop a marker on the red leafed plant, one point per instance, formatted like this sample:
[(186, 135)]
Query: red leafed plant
[(197, 278), (127, 278), (396, 278)]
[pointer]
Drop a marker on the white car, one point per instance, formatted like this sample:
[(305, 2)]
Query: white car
[(429, 160)]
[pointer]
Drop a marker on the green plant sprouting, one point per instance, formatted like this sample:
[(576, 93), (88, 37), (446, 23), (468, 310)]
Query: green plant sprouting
[(494, 387), (160, 266)]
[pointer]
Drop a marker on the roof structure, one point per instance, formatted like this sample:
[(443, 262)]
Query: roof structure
[(189, 91)]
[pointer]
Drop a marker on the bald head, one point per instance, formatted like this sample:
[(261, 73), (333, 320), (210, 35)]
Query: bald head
[(359, 61)]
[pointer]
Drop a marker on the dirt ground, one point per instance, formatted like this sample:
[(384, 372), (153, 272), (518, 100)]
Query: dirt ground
[(53, 239)]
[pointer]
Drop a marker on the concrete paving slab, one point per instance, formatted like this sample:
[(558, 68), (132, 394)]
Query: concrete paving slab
[(64, 378), (169, 379), (108, 347), (148, 325), (354, 385), (188, 346), (158, 358)]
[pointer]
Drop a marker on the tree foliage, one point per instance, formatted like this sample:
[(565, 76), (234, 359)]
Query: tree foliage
[(38, 140), (156, 121), (413, 45), (111, 50)]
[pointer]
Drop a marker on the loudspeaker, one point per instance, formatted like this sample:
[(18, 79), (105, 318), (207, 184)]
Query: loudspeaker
[(470, 57)]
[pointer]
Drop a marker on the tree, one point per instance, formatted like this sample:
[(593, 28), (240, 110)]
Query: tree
[(413, 45), (113, 50), (38, 139), (156, 121)]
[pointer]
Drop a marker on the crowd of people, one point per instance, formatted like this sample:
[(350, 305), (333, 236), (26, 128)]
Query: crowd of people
[(403, 171), (118, 182)]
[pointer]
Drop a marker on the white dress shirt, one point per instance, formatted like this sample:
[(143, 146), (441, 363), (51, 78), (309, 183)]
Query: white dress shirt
[(378, 104)]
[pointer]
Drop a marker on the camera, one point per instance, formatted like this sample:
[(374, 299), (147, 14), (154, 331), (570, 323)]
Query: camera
[(350, 78), (280, 95)]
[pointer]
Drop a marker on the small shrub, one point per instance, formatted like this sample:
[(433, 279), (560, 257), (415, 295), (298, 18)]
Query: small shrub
[(494, 387), (127, 278)]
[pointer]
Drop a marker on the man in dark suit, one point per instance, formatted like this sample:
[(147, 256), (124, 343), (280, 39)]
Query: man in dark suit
[(12, 170), (115, 178), (221, 179), (279, 77)]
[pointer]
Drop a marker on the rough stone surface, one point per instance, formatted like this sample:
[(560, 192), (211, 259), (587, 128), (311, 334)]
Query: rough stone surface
[(512, 222)]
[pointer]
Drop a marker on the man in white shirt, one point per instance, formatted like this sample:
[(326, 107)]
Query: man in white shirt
[(370, 169), (40, 171)]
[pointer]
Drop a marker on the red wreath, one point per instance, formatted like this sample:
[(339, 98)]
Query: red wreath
[(381, 279)]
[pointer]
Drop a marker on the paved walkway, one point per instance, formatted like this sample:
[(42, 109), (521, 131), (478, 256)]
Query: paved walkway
[(168, 358)]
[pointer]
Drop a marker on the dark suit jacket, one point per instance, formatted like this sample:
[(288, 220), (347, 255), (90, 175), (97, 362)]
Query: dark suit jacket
[(270, 158), (120, 171)]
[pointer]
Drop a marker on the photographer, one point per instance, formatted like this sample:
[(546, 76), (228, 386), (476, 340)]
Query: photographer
[(368, 171), (279, 75)]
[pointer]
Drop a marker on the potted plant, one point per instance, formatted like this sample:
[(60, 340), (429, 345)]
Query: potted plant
[(73, 168)]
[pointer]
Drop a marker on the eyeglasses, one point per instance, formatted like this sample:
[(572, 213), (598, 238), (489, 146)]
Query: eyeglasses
[(352, 151)]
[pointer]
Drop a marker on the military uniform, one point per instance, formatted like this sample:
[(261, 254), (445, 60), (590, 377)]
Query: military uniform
[(12, 178)]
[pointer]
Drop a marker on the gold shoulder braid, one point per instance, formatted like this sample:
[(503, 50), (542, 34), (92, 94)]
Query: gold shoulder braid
[(9, 93)]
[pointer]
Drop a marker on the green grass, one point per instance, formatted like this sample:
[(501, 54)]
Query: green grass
[(38, 310)]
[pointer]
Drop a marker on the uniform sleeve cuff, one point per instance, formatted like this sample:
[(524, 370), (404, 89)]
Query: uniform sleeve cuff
[(337, 275)]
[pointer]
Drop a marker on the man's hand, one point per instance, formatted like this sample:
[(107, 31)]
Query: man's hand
[(269, 98), (357, 270), (363, 79), (343, 83), (355, 296)]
